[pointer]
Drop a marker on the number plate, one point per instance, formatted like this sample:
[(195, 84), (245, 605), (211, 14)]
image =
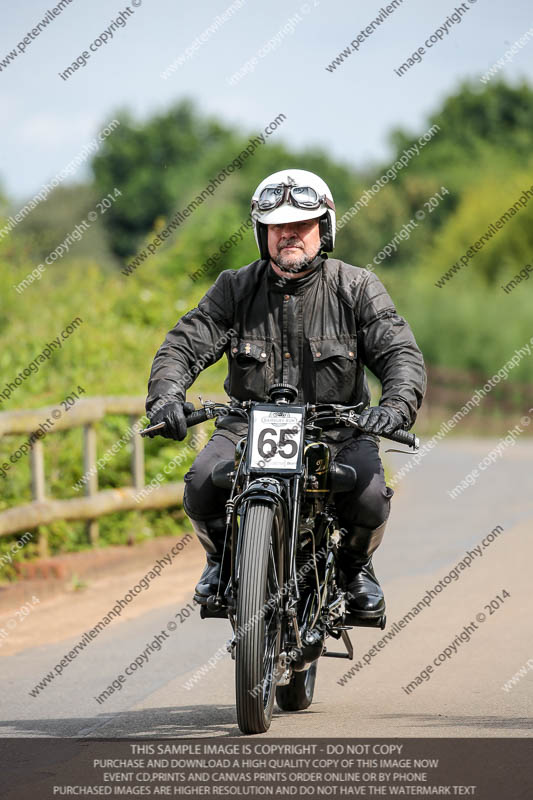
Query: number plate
[(276, 438)]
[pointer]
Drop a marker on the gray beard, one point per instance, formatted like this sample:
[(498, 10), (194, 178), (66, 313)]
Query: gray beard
[(291, 266)]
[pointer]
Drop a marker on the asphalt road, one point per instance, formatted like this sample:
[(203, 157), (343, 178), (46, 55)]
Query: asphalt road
[(428, 534)]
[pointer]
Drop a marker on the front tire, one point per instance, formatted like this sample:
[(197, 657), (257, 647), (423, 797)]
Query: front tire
[(258, 617)]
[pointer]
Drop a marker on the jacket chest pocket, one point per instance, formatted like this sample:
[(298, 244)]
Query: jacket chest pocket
[(250, 372), (335, 366)]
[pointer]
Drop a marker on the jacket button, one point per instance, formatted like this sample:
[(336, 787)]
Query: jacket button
[(287, 355)]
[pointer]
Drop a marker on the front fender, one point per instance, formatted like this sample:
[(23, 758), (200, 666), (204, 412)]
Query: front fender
[(268, 489)]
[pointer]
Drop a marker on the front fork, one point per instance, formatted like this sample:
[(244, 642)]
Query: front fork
[(272, 490), (302, 639)]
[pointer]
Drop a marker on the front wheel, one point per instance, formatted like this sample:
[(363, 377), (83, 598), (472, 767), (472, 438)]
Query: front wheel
[(258, 617)]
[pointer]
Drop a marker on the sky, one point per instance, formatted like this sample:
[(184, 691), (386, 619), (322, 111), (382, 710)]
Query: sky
[(45, 121)]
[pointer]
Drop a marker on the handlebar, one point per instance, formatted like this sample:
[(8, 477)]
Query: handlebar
[(211, 410), (351, 419), (194, 418), (403, 437)]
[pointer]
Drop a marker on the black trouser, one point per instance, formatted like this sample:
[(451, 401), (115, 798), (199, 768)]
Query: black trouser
[(367, 506)]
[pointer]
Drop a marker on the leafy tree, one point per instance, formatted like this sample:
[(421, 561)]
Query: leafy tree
[(473, 122), (152, 164), (483, 131), (505, 250)]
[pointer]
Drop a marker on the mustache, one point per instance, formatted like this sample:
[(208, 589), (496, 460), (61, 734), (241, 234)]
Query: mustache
[(290, 243)]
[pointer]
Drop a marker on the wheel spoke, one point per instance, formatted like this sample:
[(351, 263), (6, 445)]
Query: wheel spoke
[(272, 562)]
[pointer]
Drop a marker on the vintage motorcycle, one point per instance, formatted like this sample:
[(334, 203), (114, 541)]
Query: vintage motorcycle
[(283, 596)]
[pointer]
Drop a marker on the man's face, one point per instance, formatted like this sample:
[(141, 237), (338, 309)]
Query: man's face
[(293, 245)]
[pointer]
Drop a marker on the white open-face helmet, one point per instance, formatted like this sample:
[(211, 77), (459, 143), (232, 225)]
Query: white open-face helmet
[(289, 196)]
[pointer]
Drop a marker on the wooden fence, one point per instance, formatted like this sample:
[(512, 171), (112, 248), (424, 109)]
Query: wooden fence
[(450, 388), (85, 413), (447, 389)]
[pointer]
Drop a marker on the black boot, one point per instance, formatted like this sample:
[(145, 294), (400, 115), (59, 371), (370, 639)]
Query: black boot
[(364, 596), (211, 535)]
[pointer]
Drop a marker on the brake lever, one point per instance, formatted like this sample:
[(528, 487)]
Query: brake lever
[(153, 428), (405, 452)]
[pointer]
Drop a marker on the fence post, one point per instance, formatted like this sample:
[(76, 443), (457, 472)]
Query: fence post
[(91, 473), (137, 457), (38, 489)]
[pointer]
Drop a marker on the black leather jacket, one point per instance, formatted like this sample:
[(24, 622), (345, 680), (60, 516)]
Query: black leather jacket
[(315, 332)]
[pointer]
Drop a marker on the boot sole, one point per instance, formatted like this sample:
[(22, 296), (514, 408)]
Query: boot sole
[(206, 613), (366, 615), (378, 621)]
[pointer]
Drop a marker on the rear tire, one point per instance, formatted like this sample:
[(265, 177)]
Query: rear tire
[(298, 694), (258, 623)]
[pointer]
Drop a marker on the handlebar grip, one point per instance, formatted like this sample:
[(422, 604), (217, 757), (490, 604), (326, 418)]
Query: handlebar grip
[(196, 417), (403, 437)]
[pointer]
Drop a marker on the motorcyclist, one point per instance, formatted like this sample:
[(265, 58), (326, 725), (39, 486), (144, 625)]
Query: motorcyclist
[(297, 316)]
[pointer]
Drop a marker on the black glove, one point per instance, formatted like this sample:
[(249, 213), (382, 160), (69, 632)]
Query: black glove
[(381, 419), (173, 414)]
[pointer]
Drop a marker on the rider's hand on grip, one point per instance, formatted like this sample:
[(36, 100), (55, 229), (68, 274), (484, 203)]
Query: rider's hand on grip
[(174, 416), (197, 417), (381, 420)]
